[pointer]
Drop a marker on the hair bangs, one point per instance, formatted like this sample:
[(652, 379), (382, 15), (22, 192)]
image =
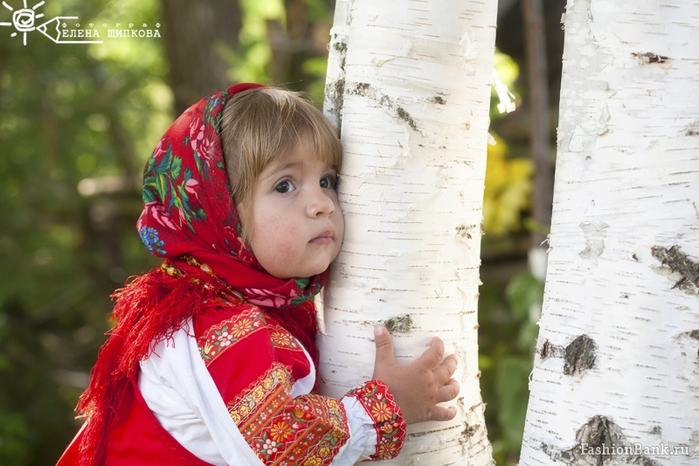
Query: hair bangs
[(264, 124)]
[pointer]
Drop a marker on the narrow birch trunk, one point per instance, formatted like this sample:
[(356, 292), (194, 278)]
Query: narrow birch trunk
[(409, 87), (616, 378)]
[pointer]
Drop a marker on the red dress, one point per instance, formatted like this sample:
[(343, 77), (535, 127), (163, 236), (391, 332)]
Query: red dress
[(258, 369)]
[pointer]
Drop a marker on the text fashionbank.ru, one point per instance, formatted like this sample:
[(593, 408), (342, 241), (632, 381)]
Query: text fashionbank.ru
[(636, 449)]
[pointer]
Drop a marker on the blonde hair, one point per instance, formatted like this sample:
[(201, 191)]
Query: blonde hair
[(263, 124)]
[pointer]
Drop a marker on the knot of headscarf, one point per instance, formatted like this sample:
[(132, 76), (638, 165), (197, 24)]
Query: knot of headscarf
[(189, 213)]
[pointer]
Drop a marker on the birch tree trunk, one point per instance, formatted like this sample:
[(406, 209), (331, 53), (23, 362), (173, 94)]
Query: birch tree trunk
[(409, 87), (616, 378)]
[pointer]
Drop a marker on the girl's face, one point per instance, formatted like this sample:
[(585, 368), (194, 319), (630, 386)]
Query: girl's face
[(296, 226)]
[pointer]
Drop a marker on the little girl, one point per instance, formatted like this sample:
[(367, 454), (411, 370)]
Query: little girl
[(212, 359)]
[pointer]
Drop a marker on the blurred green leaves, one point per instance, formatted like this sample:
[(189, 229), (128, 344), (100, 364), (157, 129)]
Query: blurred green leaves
[(67, 112), (511, 296), (508, 334), (250, 64), (512, 392), (523, 292)]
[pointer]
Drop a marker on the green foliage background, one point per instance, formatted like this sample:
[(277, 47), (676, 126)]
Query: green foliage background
[(62, 110), (76, 123)]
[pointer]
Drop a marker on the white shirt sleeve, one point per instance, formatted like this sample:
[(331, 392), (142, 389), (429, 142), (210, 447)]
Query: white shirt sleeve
[(362, 442), (178, 388)]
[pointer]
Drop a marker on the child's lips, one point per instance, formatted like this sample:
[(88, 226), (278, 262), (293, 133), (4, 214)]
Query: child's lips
[(326, 237)]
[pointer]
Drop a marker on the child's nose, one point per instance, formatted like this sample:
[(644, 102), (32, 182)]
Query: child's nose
[(320, 203)]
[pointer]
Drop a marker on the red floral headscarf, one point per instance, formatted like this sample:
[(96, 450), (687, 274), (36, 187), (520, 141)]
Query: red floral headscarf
[(190, 220), (189, 208)]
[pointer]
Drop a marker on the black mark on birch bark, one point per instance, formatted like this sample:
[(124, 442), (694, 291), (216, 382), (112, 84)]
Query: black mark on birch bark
[(340, 47), (680, 263), (338, 101), (468, 432), (578, 356), (546, 350), (399, 324), (438, 99), (336, 90), (693, 334), (386, 102), (460, 403), (692, 130), (404, 115), (600, 442), (549, 350), (464, 231), (649, 57)]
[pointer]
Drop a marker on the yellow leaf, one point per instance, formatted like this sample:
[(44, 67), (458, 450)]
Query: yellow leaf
[(508, 188)]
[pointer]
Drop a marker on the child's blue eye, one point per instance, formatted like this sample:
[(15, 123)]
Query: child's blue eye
[(328, 182), (284, 187)]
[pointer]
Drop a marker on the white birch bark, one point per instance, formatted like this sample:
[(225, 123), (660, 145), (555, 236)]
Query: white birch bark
[(409, 86), (616, 378)]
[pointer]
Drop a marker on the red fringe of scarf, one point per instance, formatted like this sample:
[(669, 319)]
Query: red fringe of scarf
[(150, 308)]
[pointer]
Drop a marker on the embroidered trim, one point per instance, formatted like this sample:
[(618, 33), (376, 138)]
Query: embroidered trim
[(281, 338), (308, 430), (224, 335), (390, 426)]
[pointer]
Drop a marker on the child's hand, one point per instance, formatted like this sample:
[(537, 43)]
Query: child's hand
[(420, 385)]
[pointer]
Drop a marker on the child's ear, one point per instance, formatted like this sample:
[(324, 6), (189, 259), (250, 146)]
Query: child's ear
[(245, 224)]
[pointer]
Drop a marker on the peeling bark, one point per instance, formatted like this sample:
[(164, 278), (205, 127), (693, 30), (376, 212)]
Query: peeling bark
[(650, 57), (681, 264), (601, 442)]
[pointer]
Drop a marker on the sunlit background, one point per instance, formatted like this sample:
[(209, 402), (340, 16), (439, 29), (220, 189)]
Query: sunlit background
[(77, 122)]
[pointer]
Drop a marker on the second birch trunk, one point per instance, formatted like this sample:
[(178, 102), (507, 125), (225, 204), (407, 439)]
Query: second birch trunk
[(616, 378)]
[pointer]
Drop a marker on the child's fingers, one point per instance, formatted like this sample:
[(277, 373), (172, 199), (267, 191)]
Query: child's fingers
[(439, 413), (445, 370), (448, 391), (433, 355), (384, 348)]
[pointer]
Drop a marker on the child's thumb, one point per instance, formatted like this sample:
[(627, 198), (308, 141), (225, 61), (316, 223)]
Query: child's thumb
[(384, 346)]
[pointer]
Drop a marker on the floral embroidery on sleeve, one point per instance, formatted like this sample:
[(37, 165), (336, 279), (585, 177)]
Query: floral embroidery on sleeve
[(224, 335), (281, 338), (308, 430), (378, 402)]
